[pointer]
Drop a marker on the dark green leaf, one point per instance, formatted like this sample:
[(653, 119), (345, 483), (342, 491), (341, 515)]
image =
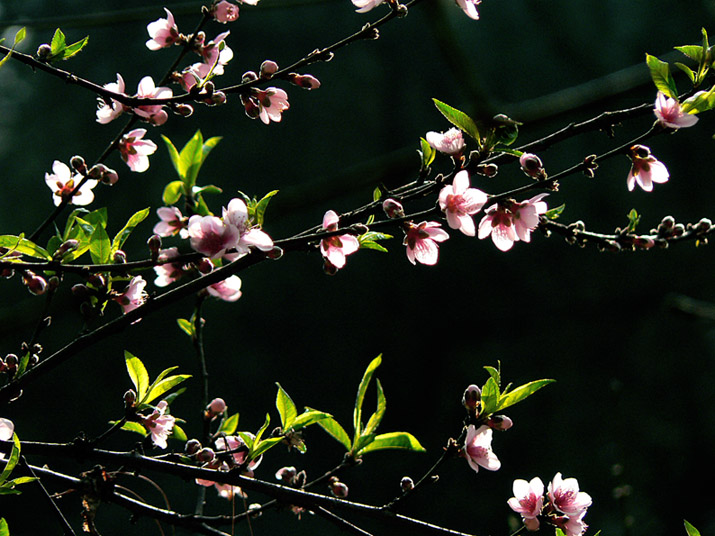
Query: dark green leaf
[(286, 408), (122, 235), (459, 119), (393, 440), (660, 73)]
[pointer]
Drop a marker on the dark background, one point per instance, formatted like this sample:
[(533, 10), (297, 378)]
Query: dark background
[(633, 402)]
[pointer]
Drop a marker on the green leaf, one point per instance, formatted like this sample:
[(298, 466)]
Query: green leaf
[(694, 52), (58, 43), (100, 248), (229, 425), (261, 207), (169, 399), (363, 441), (186, 326), (24, 246), (172, 192), (137, 373), (173, 155), (4, 529), (309, 417), (177, 432), (554, 213), (660, 73), (702, 101), (247, 438), (687, 70), (336, 431), (19, 36), (459, 119), (393, 440), (191, 158), (427, 152), (692, 531), (369, 241), (376, 194), (362, 388), (495, 373), (264, 445), (97, 218), (376, 417), (162, 384), (286, 408), (369, 244), (12, 460), (633, 219), (263, 428), (8, 490), (122, 235), (22, 365), (490, 397), (74, 48), (519, 394), (134, 427)]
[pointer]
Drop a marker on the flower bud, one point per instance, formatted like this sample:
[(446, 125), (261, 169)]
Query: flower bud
[(251, 107), (192, 446), (393, 209), (205, 455), (97, 171), (488, 170), (249, 76), (329, 268), (704, 225), (500, 422), (34, 283), (471, 398), (67, 245), (11, 360), (184, 110), (644, 242), (275, 254), (205, 266), (119, 257), (532, 166), (81, 291), (44, 51), (216, 407), (79, 165), (286, 475), (306, 81), (338, 488), (130, 397), (154, 244), (97, 281), (268, 69), (406, 484)]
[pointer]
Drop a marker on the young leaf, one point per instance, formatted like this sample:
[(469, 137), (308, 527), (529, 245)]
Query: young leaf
[(490, 397), (376, 417), (660, 73), (13, 460), (172, 192), (337, 432), (186, 326), (362, 388), (58, 43), (494, 373), (191, 158), (427, 152), (229, 425), (262, 446), (376, 194), (73, 49), (263, 428), (687, 70), (633, 219), (122, 235), (24, 246), (134, 427), (100, 248), (692, 531), (159, 387), (261, 207), (519, 394), (393, 440), (177, 432), (19, 36), (4, 529), (309, 417), (554, 213), (694, 52), (286, 408), (137, 373), (174, 156), (459, 119)]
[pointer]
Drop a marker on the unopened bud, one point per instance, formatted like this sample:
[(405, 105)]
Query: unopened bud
[(130, 397), (286, 474), (44, 51), (471, 398), (306, 81), (329, 268), (407, 484), (79, 165), (393, 209), (644, 242), (532, 166), (120, 257), (11, 360), (500, 422), (97, 171), (337, 488), (67, 245), (275, 254), (268, 69), (704, 225), (205, 455), (192, 446), (488, 170), (34, 283), (154, 244), (217, 406), (218, 97), (205, 266), (251, 107), (97, 281), (249, 76), (184, 110)]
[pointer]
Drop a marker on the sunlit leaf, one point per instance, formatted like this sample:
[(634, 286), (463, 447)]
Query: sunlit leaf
[(286, 408), (362, 388), (309, 417), (172, 192), (160, 387), (490, 396), (264, 445), (427, 153), (692, 531), (137, 373), (100, 248), (24, 246), (12, 460), (186, 326), (336, 431), (376, 417), (131, 224), (4, 529), (555, 212), (393, 440), (229, 425), (261, 207), (459, 119), (660, 73), (519, 394)]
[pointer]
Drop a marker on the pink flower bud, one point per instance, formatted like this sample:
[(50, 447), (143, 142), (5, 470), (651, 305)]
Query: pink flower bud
[(224, 12), (249, 76), (472, 397), (130, 397), (406, 484), (274, 254), (217, 406), (338, 488), (184, 110), (286, 475), (34, 283), (192, 446), (97, 171), (306, 81), (78, 163), (532, 166), (393, 209), (205, 455), (268, 69), (500, 422)]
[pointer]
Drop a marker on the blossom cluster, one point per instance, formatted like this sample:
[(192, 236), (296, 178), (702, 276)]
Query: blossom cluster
[(563, 506)]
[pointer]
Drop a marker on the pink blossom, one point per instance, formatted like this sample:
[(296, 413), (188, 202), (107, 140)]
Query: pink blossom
[(478, 449), (107, 112), (216, 55), (646, 169), (236, 215), (159, 425), (532, 166), (336, 248), (272, 103), (7, 429), (450, 142), (169, 272), (227, 290), (526, 216), (572, 525), (225, 11), (470, 8), (498, 221), (565, 496), (153, 113), (528, 499), (421, 241), (133, 296), (135, 151), (459, 202), (670, 113), (239, 452), (172, 222), (211, 236), (62, 183), (163, 32), (366, 5)]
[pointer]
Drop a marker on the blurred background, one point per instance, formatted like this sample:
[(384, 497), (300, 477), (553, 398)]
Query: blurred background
[(629, 337)]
